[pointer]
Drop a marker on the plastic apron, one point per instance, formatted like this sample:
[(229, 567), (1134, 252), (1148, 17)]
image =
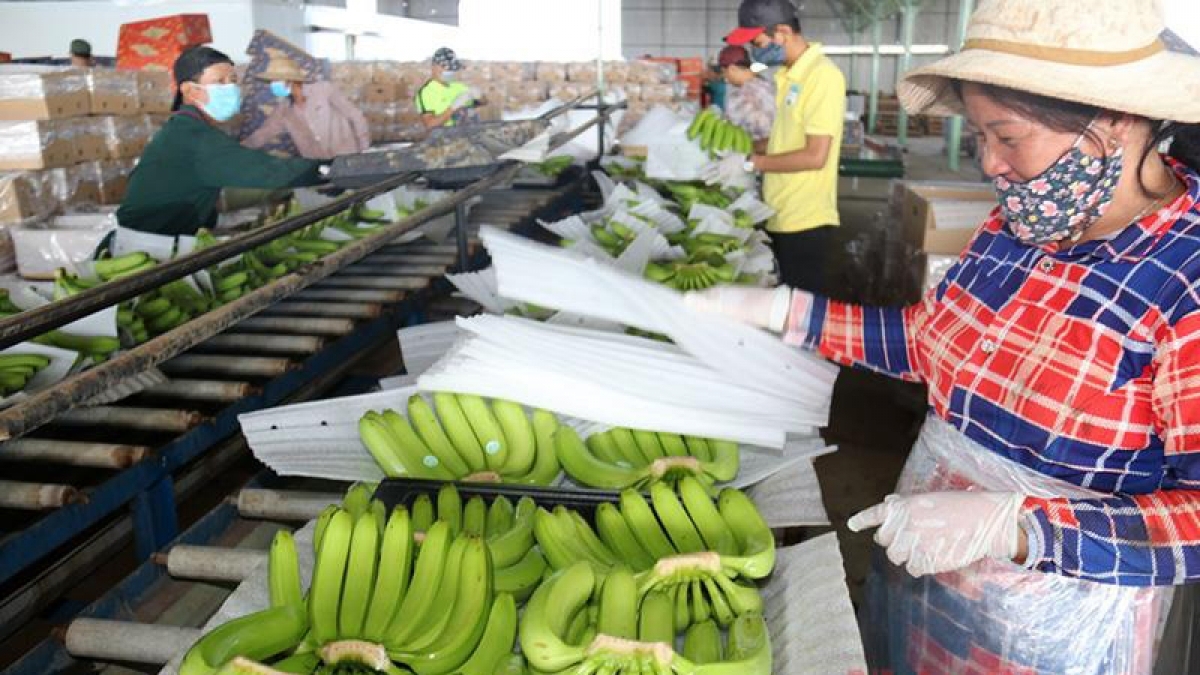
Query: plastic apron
[(995, 616)]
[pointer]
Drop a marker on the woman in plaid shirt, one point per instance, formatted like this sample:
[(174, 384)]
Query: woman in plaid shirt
[(1054, 494)]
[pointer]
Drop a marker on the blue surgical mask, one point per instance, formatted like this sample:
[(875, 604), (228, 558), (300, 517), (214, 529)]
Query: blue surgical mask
[(449, 75), (224, 100), (771, 55), (280, 89)]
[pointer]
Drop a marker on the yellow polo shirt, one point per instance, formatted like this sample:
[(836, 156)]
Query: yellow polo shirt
[(810, 98)]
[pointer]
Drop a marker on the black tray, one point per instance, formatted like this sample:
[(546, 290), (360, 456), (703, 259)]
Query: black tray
[(393, 491)]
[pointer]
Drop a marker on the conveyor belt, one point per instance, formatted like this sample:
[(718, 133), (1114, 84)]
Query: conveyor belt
[(129, 462)]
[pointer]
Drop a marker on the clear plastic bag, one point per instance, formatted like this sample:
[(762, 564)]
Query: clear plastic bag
[(995, 616)]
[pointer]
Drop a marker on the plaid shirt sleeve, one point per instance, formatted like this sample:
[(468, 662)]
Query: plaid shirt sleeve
[(1140, 540), (882, 339)]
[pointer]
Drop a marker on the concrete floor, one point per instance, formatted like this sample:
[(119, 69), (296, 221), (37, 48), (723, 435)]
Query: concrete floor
[(874, 419)]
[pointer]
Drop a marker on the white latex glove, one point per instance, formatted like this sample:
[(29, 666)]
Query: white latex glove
[(763, 307), (728, 171), (462, 100), (942, 531)]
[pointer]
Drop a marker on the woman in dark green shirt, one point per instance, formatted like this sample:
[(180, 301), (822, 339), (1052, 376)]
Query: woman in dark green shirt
[(175, 187)]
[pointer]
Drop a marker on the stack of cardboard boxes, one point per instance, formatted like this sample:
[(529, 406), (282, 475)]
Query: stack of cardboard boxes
[(386, 90)]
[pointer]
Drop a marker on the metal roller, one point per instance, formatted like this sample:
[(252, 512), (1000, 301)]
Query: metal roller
[(36, 496), (242, 343), (348, 295), (74, 453), (398, 283), (410, 258), (126, 641), (283, 504), (148, 419), (422, 248), (242, 366), (211, 563), (343, 310), (400, 269), (204, 390), (307, 326)]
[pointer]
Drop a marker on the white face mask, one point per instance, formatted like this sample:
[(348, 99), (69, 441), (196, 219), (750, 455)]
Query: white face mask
[(449, 75)]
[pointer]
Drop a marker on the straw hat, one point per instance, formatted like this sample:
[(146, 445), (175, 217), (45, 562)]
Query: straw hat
[(1106, 53), (282, 69)]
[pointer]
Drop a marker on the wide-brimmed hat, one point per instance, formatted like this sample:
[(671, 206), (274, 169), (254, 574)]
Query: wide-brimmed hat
[(283, 69), (1105, 53)]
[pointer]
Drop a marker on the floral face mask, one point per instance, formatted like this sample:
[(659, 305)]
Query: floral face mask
[(1064, 200)]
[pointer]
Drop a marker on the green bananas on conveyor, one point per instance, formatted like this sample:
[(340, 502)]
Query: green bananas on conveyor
[(16, 370), (463, 437), (719, 135), (615, 459)]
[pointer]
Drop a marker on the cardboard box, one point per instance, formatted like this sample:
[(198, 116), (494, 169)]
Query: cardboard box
[(42, 93), (158, 42), (35, 144), (77, 185), (124, 137), (156, 91), (113, 92), (941, 218), (383, 93), (113, 176), (24, 197)]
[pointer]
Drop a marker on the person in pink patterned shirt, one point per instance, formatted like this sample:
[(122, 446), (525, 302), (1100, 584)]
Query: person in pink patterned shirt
[(750, 103), (320, 120)]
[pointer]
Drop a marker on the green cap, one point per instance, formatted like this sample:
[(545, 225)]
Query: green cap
[(81, 47)]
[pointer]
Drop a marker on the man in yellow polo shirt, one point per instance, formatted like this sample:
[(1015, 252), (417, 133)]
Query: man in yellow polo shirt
[(443, 101), (800, 162)]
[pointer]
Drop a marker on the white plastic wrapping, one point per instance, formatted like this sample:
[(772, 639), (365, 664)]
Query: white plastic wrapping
[(615, 379), (61, 362), (21, 83), (746, 357), (64, 241)]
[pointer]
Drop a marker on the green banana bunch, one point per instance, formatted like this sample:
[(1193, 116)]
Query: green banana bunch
[(130, 263), (256, 636), (17, 369), (691, 274), (95, 347), (554, 165), (719, 135), (463, 437), (621, 458)]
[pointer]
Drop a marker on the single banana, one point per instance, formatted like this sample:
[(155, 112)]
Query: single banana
[(706, 517), (450, 508), (358, 499), (584, 467), (702, 643), (360, 576), (458, 429), (522, 577), (322, 524), (560, 552), (644, 525), (421, 415), (604, 448), (324, 595), (647, 443), (627, 447), (701, 611), (723, 466), (518, 436), (500, 517), (679, 601), (391, 581), (496, 644), (751, 533), (581, 532), (615, 532), (385, 448), (721, 610), (675, 520), (656, 622), (487, 430), (672, 445), (475, 517), (283, 571), (426, 580), (422, 513), (256, 636), (547, 617), (618, 604)]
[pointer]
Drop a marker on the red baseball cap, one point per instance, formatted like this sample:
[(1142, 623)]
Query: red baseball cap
[(743, 36)]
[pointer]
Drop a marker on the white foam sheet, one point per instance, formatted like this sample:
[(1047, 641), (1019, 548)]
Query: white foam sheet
[(806, 605), (616, 379), (421, 346), (749, 203), (61, 363), (809, 614), (481, 287), (671, 156), (319, 439), (748, 357)]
